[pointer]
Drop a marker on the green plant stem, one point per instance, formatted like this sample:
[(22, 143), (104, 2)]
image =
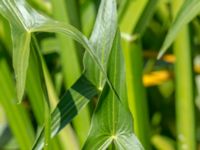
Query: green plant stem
[(129, 21), (68, 52), (134, 70), (184, 92), (184, 88), (88, 8), (136, 91)]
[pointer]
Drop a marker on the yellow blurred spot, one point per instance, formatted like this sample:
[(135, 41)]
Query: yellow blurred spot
[(156, 78), (197, 68), (169, 58)]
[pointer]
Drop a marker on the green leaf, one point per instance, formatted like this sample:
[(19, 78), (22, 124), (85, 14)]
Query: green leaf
[(45, 92), (16, 115), (20, 58), (188, 11), (53, 99), (24, 20), (112, 121), (68, 107), (34, 87), (101, 39), (66, 11)]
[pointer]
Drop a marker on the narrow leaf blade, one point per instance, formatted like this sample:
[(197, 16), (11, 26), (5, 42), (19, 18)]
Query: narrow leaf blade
[(21, 52), (68, 107), (189, 10)]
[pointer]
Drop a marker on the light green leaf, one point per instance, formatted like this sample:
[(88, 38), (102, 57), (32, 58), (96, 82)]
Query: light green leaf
[(101, 39), (21, 41), (16, 115), (112, 121), (188, 11), (68, 107), (24, 20), (34, 87)]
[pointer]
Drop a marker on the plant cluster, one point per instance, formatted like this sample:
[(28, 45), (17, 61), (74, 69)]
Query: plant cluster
[(100, 80)]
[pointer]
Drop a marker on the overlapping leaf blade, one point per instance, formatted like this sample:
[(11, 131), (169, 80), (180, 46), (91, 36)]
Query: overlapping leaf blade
[(70, 104), (112, 121), (27, 20), (24, 20), (189, 10), (101, 39), (109, 123)]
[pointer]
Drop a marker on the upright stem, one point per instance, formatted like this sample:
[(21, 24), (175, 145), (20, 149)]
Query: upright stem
[(68, 52), (184, 92), (184, 89), (136, 92), (134, 71)]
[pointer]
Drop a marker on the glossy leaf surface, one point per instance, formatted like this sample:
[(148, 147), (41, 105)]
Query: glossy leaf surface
[(68, 107), (24, 20), (112, 121), (101, 39)]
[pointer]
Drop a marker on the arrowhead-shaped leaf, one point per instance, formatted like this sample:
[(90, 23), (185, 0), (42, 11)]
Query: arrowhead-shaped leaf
[(112, 121), (189, 10), (22, 19)]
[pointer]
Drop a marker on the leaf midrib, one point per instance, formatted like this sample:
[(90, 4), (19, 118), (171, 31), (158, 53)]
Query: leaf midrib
[(113, 94)]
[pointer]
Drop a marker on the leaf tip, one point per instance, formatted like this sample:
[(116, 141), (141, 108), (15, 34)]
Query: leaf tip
[(161, 53), (20, 92), (19, 98)]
